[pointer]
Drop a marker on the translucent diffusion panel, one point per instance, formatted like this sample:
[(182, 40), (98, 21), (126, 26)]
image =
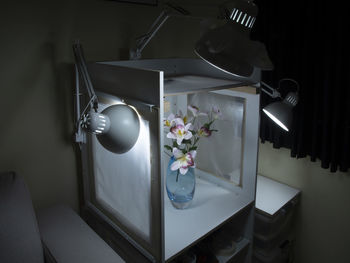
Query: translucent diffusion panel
[(221, 153), (123, 182)]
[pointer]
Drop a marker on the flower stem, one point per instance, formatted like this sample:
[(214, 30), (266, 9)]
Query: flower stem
[(177, 176)]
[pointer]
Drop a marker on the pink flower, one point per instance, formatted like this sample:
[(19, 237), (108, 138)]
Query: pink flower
[(180, 131), (204, 132), (183, 161)]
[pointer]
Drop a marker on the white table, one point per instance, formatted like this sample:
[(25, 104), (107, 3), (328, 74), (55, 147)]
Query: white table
[(271, 195)]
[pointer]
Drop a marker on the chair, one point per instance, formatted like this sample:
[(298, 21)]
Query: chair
[(56, 234)]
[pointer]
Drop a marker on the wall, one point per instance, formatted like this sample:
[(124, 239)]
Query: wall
[(323, 217), (37, 83)]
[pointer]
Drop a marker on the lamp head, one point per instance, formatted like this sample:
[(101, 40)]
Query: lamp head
[(117, 127), (229, 47), (281, 112)]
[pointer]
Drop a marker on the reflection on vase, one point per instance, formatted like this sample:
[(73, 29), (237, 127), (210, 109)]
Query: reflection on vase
[(180, 188)]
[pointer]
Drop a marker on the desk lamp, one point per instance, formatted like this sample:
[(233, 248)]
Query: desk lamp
[(228, 47), (116, 127), (281, 112)]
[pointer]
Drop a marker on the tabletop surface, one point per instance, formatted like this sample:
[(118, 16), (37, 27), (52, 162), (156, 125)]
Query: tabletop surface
[(272, 195)]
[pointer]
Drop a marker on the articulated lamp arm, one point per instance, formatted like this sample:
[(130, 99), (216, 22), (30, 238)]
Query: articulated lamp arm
[(142, 41), (83, 72), (88, 119)]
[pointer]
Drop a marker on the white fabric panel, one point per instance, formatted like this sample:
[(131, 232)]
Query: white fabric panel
[(221, 153), (123, 182)]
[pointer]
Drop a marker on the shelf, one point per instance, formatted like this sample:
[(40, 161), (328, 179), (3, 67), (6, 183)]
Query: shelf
[(212, 205), (239, 247)]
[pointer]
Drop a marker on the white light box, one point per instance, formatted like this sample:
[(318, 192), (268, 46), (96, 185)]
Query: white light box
[(127, 190)]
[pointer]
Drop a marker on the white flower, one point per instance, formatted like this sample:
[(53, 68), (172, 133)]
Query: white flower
[(180, 131), (182, 116), (195, 111), (183, 161), (216, 113), (170, 120)]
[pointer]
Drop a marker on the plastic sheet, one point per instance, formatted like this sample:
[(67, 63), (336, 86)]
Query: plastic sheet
[(221, 153)]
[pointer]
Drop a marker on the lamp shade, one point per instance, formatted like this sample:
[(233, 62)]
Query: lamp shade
[(229, 47), (281, 112), (123, 130)]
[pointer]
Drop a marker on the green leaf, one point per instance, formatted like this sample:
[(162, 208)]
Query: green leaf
[(186, 141), (209, 124), (168, 147), (193, 148), (195, 141), (206, 125)]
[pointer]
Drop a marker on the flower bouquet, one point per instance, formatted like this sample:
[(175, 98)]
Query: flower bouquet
[(185, 133)]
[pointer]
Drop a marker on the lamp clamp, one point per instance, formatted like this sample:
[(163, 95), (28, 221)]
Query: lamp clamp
[(273, 93)]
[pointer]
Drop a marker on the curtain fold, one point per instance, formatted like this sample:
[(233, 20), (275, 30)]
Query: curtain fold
[(307, 41)]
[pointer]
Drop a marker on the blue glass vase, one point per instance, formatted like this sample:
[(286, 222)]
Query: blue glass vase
[(180, 187)]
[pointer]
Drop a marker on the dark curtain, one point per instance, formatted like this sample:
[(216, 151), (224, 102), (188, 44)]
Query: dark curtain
[(308, 41)]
